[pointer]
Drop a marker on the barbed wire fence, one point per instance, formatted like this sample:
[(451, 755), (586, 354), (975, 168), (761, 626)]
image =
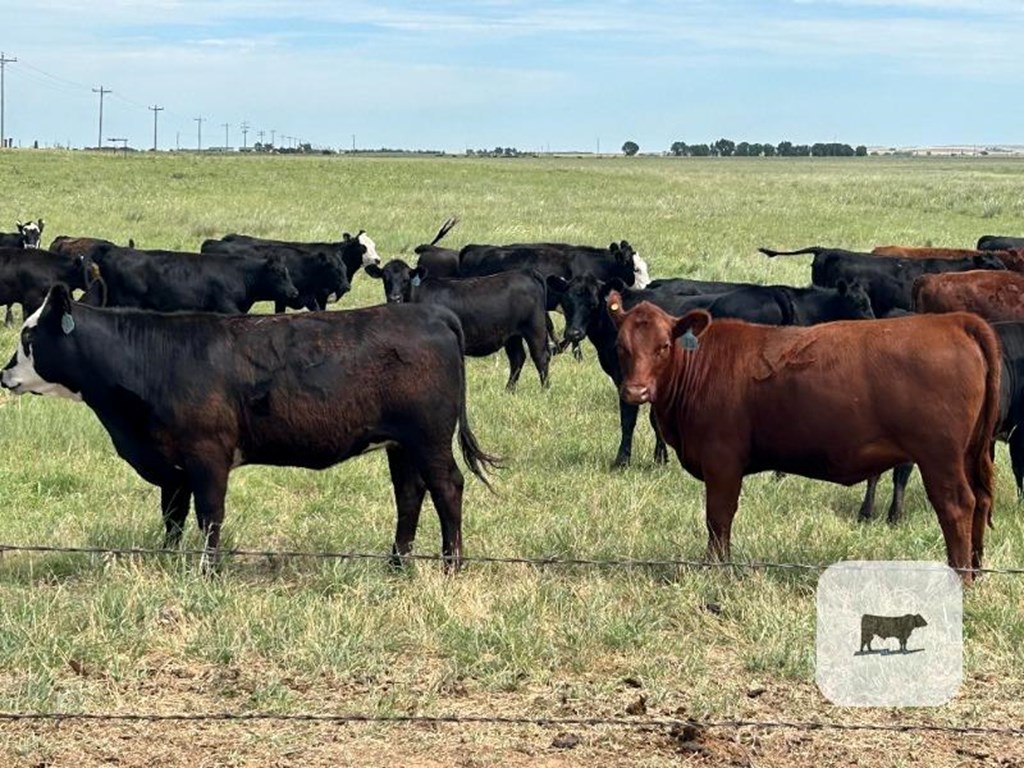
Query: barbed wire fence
[(687, 725)]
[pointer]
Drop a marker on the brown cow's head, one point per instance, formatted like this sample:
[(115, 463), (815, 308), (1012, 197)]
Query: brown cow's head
[(647, 344)]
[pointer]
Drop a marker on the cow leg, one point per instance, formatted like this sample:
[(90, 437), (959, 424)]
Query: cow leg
[(279, 307), (553, 344), (951, 496), (900, 476), (444, 481), (516, 359), (1016, 443), (981, 476), (536, 342), (660, 449), (174, 503), (867, 507), (721, 497), (9, 317), (409, 492), (627, 420), (209, 483)]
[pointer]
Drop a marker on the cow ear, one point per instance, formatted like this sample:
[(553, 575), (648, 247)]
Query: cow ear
[(374, 271), (557, 284), (842, 287), (692, 324), (420, 274), (615, 308), (40, 224), (19, 225), (57, 308), (346, 236), (615, 284), (131, 243)]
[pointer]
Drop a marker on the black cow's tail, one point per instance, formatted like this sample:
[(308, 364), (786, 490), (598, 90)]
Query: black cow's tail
[(812, 249), (450, 222), (476, 459)]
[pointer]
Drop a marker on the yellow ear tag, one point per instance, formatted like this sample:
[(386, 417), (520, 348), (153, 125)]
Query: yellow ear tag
[(614, 307)]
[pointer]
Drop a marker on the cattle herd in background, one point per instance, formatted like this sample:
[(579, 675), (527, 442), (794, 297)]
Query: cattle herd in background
[(927, 369)]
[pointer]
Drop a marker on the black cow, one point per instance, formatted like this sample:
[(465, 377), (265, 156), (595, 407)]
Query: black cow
[(187, 397), (496, 311), (440, 262), (885, 627), (582, 301), (318, 275), (170, 281), (1009, 429), (687, 287), (355, 252), (617, 261), (26, 276), (888, 281), (999, 243), (28, 235)]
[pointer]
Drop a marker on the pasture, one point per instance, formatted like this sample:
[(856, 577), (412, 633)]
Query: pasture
[(144, 634)]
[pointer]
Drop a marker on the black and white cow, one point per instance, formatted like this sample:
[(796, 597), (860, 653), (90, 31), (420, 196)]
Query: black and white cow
[(496, 311), (29, 235), (187, 397)]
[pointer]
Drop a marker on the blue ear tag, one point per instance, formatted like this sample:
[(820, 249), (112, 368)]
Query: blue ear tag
[(67, 324), (416, 281), (688, 340)]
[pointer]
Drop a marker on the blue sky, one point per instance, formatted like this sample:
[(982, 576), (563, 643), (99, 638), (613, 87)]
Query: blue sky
[(450, 74)]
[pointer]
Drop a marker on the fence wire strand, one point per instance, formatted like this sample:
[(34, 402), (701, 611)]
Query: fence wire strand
[(553, 561)]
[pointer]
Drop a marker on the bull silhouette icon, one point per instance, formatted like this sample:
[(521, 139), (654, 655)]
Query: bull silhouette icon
[(885, 627)]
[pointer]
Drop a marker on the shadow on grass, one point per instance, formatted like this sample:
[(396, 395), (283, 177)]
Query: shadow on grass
[(889, 652)]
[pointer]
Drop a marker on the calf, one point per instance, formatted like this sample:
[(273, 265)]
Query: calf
[(496, 311), (28, 235), (188, 397), (839, 401), (885, 627), (171, 281)]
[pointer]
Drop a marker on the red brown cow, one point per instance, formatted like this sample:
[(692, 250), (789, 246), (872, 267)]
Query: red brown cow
[(995, 300), (1013, 259), (839, 401)]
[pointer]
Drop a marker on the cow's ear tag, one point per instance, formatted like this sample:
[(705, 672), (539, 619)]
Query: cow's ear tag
[(689, 340), (416, 281), (67, 323)]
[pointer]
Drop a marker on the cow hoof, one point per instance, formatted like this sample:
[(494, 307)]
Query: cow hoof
[(621, 462)]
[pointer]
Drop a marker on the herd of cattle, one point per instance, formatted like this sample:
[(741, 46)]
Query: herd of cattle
[(896, 357)]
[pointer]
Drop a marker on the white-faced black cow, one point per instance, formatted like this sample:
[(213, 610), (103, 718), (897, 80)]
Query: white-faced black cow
[(496, 311), (187, 397), (29, 235), (171, 281)]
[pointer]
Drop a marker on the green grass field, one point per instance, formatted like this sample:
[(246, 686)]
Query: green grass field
[(103, 634)]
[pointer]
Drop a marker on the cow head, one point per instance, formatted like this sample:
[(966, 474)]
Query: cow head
[(647, 346), (44, 362), (579, 299), (31, 233), (400, 280), (919, 621), (275, 283), (852, 302), (366, 247), (624, 251)]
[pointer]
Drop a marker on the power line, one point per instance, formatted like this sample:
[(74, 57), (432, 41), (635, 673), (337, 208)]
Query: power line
[(101, 90), (4, 61), (155, 109)]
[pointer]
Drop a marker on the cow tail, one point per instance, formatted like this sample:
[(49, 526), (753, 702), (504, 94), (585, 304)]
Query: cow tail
[(450, 222), (813, 249), (476, 459), (984, 431)]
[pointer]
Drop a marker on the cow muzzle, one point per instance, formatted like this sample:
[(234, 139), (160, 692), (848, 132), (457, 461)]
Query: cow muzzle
[(636, 394)]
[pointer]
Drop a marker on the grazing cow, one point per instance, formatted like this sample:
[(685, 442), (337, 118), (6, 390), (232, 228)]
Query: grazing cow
[(888, 281), (440, 262), (686, 287), (26, 276), (993, 295), (1009, 426), (885, 627), (839, 401), (27, 236), (355, 252), (999, 243), (582, 301), (496, 311), (318, 275), (187, 397), (83, 247)]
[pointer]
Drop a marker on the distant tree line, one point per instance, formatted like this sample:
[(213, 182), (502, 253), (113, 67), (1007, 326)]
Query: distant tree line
[(729, 148), (496, 152)]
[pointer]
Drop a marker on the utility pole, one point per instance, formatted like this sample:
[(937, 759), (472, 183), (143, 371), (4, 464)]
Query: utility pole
[(227, 142), (272, 132), (155, 109), (260, 133), (245, 133), (101, 91), (353, 142), (3, 61), (200, 120)]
